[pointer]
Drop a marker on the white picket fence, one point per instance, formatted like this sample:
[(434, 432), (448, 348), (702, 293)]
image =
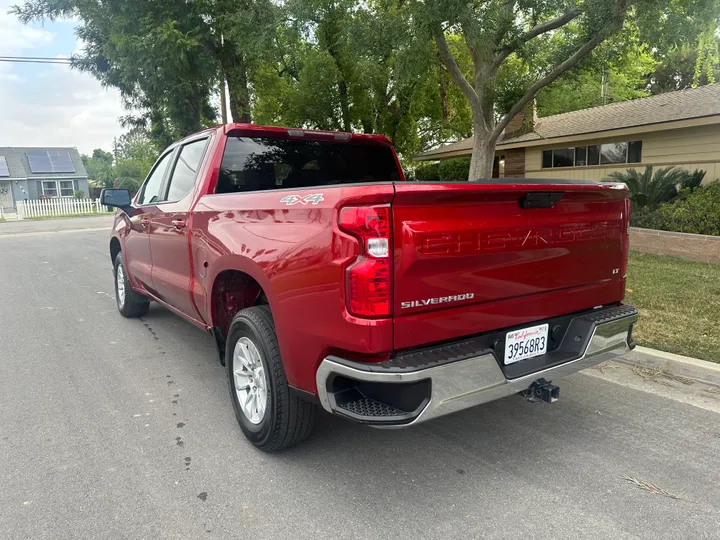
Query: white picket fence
[(59, 207)]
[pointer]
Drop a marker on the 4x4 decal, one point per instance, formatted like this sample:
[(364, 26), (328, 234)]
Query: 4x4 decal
[(291, 200)]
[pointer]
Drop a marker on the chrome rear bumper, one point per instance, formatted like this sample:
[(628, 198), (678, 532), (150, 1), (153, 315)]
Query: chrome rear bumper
[(458, 385)]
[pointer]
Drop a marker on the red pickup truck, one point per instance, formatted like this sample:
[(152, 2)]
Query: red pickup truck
[(328, 279)]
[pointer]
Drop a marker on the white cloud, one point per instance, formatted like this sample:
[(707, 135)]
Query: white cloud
[(17, 37), (51, 105), (59, 107)]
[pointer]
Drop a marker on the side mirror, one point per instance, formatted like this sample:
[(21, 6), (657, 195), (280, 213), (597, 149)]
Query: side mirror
[(116, 198)]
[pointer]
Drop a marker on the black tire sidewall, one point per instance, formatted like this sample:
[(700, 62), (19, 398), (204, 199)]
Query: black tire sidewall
[(244, 326), (135, 304), (118, 263)]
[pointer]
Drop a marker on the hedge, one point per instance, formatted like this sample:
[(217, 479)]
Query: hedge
[(455, 170), (695, 212), (428, 173), (451, 170)]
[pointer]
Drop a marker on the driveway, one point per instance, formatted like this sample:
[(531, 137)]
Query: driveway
[(116, 428)]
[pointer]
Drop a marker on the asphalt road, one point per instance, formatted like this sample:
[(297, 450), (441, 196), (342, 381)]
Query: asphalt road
[(114, 428)]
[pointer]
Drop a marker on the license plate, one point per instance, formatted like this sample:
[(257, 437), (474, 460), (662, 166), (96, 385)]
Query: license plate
[(525, 343)]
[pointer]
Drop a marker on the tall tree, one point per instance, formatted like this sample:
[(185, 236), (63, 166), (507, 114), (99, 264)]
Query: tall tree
[(616, 71), (243, 36), (344, 65), (159, 55), (494, 31), (135, 155), (167, 58), (682, 35)]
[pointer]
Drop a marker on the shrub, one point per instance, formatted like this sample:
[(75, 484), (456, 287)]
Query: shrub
[(428, 173), (652, 189), (454, 170), (129, 183), (79, 194), (693, 180), (696, 212)]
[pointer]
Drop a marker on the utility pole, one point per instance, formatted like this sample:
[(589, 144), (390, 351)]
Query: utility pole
[(223, 102)]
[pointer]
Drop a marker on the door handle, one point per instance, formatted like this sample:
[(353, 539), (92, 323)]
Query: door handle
[(178, 223), (145, 223)]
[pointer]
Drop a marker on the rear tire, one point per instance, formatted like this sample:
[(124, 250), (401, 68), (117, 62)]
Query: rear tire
[(271, 417), (130, 304)]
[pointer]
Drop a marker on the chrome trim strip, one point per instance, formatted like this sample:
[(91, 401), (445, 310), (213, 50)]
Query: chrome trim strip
[(478, 380)]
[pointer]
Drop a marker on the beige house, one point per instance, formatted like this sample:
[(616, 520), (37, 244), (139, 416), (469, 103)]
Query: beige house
[(677, 128)]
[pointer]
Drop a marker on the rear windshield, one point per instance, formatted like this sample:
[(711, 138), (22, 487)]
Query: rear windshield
[(251, 164)]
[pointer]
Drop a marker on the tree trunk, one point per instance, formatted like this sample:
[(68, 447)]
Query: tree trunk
[(344, 103), (234, 71), (238, 89), (223, 103), (483, 154)]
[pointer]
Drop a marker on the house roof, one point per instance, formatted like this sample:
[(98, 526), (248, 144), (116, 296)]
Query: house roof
[(703, 101), (19, 166)]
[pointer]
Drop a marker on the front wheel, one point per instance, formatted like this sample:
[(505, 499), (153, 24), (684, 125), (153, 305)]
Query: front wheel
[(269, 415), (129, 303)]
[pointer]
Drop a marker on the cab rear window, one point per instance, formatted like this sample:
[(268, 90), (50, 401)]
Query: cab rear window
[(256, 164)]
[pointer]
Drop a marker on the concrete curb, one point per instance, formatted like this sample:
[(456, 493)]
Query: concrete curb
[(692, 368)]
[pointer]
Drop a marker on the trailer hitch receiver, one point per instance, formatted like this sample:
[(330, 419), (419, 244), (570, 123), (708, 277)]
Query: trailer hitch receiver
[(542, 390)]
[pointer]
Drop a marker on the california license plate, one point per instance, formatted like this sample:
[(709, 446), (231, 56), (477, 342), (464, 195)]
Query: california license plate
[(525, 343)]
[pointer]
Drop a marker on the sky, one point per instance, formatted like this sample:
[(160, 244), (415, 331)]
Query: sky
[(51, 105)]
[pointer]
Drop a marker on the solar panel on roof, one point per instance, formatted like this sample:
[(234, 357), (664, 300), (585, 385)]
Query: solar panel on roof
[(50, 161), (61, 161), (4, 171), (39, 161)]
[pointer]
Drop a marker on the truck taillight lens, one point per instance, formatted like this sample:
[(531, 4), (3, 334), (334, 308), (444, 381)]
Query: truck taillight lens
[(368, 285)]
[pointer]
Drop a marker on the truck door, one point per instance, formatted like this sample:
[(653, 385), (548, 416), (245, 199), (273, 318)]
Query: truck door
[(169, 242), (137, 256)]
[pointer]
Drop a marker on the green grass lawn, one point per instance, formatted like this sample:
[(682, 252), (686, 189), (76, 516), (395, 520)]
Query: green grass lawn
[(679, 303)]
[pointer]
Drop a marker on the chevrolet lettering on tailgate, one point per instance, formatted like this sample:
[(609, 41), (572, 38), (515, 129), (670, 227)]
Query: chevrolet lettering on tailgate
[(465, 242)]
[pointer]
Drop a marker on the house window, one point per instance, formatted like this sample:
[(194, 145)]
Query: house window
[(593, 155), (66, 188), (58, 188), (613, 153), (635, 152), (547, 160), (580, 156), (598, 154), (564, 157), (50, 188)]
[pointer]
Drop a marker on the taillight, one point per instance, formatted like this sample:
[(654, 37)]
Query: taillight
[(368, 285), (626, 238)]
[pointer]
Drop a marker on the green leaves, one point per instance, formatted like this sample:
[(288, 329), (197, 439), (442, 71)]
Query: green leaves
[(374, 66), (134, 156), (697, 212), (651, 188)]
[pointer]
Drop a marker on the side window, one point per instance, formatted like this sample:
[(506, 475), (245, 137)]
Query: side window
[(151, 190), (186, 169)]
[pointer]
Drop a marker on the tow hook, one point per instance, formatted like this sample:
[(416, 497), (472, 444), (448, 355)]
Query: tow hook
[(542, 390)]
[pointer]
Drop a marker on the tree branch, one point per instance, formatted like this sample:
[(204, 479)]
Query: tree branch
[(534, 32), (506, 23), (581, 53), (615, 22), (452, 66)]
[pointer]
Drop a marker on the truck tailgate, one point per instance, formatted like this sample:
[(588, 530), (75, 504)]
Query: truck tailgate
[(470, 258)]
